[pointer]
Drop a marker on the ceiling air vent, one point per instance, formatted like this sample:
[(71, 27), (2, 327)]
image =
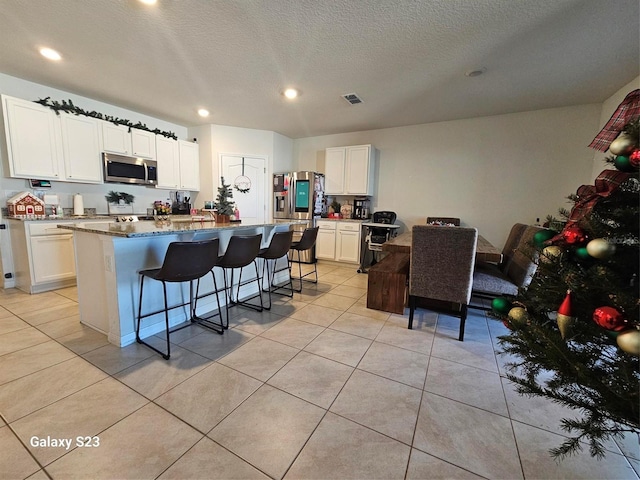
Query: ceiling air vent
[(352, 98)]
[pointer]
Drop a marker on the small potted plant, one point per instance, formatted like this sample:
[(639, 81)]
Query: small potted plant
[(223, 205), (335, 206), (119, 202)]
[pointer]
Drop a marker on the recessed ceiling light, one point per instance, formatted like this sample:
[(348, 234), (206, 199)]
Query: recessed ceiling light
[(203, 112), (50, 54), (291, 93), (148, 2), (475, 73)]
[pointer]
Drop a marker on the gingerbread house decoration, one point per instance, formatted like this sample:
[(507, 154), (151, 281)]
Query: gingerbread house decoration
[(25, 205)]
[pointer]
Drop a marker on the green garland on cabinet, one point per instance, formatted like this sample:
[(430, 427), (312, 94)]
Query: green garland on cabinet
[(69, 107)]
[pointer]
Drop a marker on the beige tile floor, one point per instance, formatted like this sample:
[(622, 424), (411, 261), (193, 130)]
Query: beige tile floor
[(320, 387)]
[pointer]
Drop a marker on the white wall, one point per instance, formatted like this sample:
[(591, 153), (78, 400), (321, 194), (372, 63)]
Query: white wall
[(608, 108), (491, 171), (220, 139)]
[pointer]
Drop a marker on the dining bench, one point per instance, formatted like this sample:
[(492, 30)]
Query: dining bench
[(387, 283)]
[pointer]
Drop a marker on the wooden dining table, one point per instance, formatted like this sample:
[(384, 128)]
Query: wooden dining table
[(387, 279), (485, 251)]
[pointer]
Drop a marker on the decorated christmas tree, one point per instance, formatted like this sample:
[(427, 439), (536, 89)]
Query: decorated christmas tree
[(575, 331), (223, 204)]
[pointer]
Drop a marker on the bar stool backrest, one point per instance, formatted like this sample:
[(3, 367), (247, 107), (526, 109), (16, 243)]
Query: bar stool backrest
[(279, 246), (241, 251), (186, 261), (308, 239)]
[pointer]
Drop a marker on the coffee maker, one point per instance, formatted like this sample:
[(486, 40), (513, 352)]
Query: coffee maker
[(361, 210)]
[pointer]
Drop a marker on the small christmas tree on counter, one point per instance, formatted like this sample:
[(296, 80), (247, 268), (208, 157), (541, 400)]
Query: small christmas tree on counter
[(223, 205), (575, 331)]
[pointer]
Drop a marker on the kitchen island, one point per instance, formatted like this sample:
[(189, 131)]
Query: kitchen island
[(109, 256)]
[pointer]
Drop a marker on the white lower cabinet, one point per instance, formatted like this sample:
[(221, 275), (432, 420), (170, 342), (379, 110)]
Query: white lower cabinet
[(326, 241), (52, 257), (43, 254), (348, 242), (338, 241)]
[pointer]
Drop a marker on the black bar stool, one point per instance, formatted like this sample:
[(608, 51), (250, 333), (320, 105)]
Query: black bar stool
[(307, 241), (278, 248), (241, 251), (183, 262)]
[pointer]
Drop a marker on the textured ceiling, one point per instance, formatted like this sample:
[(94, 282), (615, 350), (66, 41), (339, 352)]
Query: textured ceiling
[(405, 58)]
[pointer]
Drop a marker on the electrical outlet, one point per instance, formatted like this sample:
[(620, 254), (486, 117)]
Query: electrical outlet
[(108, 263)]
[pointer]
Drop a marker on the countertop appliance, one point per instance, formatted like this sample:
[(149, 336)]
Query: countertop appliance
[(123, 169), (361, 209), (180, 203), (299, 196)]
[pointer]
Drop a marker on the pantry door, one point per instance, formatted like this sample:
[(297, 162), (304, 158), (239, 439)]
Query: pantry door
[(252, 204)]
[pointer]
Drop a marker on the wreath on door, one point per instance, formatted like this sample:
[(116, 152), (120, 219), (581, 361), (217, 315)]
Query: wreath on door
[(242, 183)]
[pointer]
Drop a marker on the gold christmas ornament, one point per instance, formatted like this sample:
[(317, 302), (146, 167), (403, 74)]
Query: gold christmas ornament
[(623, 145), (600, 248), (629, 341), (518, 315), (550, 252), (565, 323)]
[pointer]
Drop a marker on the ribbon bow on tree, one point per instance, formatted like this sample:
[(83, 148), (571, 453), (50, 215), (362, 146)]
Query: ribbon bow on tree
[(589, 195)]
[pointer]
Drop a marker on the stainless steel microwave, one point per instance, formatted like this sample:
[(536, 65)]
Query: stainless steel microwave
[(123, 169)]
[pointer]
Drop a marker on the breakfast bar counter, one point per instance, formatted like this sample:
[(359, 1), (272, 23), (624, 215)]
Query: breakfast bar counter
[(109, 256)]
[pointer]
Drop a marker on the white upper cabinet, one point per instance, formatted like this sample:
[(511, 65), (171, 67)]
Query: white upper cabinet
[(143, 143), (81, 148), (116, 138), (350, 170), (33, 145), (168, 159), (334, 171), (189, 154)]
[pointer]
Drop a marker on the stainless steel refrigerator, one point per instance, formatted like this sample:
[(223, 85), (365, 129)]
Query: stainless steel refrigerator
[(299, 196)]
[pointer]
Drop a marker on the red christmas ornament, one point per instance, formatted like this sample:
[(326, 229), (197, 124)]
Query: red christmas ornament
[(634, 158), (573, 235), (609, 318)]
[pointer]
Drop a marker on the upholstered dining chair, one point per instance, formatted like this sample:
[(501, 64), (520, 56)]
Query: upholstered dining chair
[(441, 268), (443, 221), (515, 271)]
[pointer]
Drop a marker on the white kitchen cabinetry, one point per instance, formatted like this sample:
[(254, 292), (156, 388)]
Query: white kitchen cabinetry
[(338, 241), (143, 143), (116, 138), (350, 170), (189, 154), (326, 240), (33, 145), (334, 170), (168, 159), (81, 149), (348, 242), (43, 255), (178, 164)]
